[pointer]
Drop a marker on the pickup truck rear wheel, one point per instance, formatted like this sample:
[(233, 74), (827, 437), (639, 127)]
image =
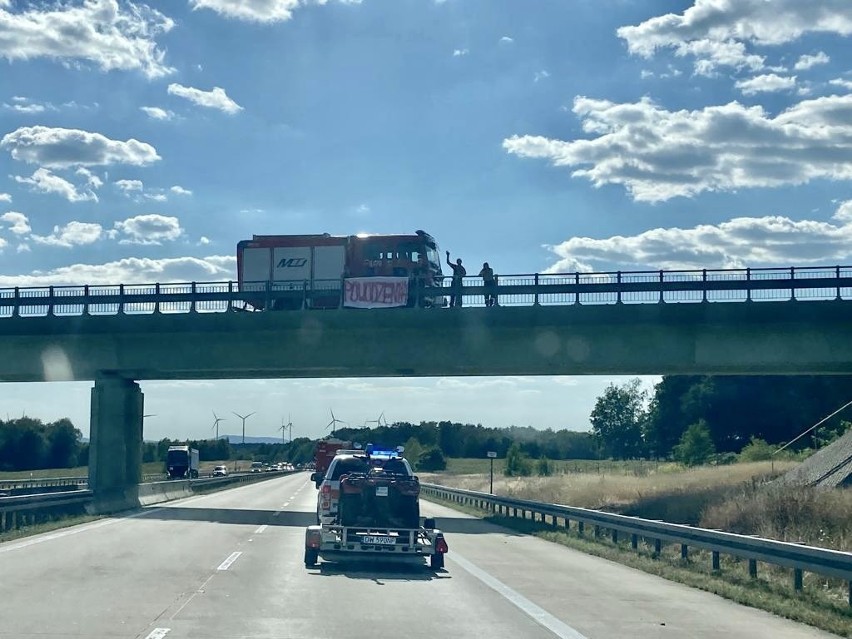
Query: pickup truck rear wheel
[(436, 561), (311, 557)]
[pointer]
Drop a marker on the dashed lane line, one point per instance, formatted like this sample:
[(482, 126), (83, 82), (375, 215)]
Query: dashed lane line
[(158, 633), (230, 560)]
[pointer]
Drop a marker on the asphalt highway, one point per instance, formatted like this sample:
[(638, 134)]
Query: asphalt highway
[(229, 565)]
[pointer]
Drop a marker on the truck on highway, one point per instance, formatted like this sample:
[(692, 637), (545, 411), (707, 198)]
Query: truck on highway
[(324, 453), (325, 271), (182, 462), (369, 508)]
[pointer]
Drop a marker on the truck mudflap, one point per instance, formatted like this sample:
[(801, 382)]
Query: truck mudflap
[(335, 542)]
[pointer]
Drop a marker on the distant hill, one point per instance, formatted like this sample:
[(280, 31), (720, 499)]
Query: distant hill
[(238, 439)]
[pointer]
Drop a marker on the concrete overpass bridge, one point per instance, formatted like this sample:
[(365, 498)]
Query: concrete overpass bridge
[(767, 321)]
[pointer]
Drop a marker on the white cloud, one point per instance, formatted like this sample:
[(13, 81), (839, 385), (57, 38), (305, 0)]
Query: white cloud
[(658, 154), (840, 82), (766, 84), (506, 40), (204, 241), (72, 234), (3, 244), (65, 148), (214, 99), (807, 61), (541, 75), (43, 181), (5, 197), (132, 270), (735, 22), (113, 36), (457, 53), (23, 248), (156, 197), (18, 222), (258, 10), (92, 180), (740, 242), (156, 113), (22, 104), (149, 229), (129, 186), (179, 190)]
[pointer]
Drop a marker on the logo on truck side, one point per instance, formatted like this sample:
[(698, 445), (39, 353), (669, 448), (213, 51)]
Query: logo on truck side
[(292, 262)]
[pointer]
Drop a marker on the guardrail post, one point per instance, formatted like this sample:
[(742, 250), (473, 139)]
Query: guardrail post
[(748, 286), (267, 304), (661, 300), (86, 299), (230, 306), (797, 579), (634, 541), (121, 299), (715, 559), (16, 301), (514, 512), (535, 299), (581, 527), (157, 297), (837, 275), (192, 308), (614, 536), (597, 531), (618, 286), (577, 283), (684, 552), (50, 301), (658, 547), (752, 568), (704, 285), (793, 283), (567, 524)]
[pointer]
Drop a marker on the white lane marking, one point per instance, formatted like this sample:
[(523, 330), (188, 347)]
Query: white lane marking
[(260, 529), (230, 560), (158, 633), (539, 614), (191, 597)]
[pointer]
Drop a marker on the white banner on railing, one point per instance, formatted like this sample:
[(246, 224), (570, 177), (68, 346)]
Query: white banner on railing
[(375, 292)]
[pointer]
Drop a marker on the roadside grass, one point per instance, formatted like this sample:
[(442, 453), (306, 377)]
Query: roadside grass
[(822, 603), (476, 465), (46, 526)]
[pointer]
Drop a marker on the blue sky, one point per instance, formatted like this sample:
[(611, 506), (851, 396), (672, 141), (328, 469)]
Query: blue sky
[(140, 142)]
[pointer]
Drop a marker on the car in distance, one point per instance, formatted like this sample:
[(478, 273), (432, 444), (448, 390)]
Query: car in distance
[(220, 471), (256, 467)]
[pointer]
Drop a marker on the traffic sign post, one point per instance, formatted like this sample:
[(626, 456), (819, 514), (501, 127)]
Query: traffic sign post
[(491, 455)]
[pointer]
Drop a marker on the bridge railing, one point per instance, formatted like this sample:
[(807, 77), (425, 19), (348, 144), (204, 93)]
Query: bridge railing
[(616, 287), (798, 557)]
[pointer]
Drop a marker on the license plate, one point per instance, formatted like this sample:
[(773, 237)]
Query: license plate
[(381, 541), (381, 491)]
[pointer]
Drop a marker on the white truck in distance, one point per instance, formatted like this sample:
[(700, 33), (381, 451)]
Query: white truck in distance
[(182, 462)]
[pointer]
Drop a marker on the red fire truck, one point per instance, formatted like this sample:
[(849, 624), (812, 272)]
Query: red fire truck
[(308, 271)]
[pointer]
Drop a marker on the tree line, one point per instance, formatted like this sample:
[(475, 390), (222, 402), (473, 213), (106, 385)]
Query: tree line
[(686, 416), (30, 444)]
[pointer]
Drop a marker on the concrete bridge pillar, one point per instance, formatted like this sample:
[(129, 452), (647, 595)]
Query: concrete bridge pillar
[(115, 444)]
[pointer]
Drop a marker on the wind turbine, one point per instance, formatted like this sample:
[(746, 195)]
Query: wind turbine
[(216, 421), (333, 422), (289, 425), (244, 418)]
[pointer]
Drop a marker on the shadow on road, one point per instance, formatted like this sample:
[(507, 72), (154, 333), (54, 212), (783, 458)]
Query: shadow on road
[(465, 526), (379, 572), (231, 516)]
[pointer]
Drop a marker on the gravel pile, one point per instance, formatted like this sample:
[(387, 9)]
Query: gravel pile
[(830, 467)]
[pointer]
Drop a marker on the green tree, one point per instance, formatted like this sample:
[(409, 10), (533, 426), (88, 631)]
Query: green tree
[(517, 464), (695, 446), (617, 420), (757, 450), (543, 467), (432, 460), (412, 452)]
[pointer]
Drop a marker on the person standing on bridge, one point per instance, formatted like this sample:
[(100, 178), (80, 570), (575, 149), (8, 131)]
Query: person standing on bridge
[(488, 281), (458, 279)]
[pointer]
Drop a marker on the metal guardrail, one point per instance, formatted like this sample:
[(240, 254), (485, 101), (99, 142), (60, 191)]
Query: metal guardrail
[(801, 558), (615, 287), (22, 510)]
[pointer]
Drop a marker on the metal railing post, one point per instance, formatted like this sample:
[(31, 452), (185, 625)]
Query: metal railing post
[(535, 298), (192, 307), (704, 285), (837, 275), (16, 303), (157, 297), (748, 285), (86, 300), (121, 299), (50, 301), (661, 300), (793, 283), (618, 287), (230, 306), (267, 303), (577, 282)]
